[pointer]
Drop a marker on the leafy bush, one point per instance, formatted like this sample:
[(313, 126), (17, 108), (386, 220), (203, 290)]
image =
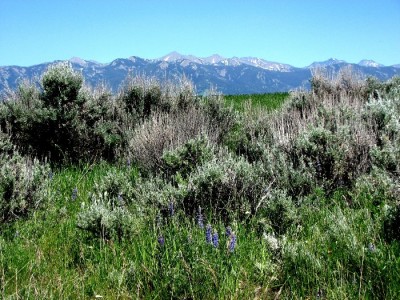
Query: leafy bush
[(165, 132), (105, 219), (6, 147), (141, 97), (225, 185), (375, 189), (185, 159), (345, 83), (64, 121), (280, 211), (23, 184)]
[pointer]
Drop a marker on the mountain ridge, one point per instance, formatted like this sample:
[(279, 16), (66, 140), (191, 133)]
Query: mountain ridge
[(236, 75)]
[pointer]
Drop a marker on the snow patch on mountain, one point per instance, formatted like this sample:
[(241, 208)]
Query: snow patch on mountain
[(369, 63)]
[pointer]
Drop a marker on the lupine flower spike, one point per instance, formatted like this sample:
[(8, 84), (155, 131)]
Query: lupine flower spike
[(228, 231), (232, 243), (208, 233), (74, 194), (215, 239), (161, 241)]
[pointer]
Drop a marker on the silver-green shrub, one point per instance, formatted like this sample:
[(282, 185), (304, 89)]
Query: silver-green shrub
[(23, 185), (224, 185), (104, 219), (63, 121)]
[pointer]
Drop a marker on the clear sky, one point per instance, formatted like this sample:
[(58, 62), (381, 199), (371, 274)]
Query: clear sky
[(296, 32)]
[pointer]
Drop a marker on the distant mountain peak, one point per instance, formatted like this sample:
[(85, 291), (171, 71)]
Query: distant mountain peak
[(78, 61), (173, 56), (369, 63), (329, 62), (213, 59)]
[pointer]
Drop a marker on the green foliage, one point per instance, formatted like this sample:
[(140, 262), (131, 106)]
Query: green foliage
[(225, 185), (23, 186), (64, 122), (184, 160), (141, 100), (6, 147), (106, 219), (280, 211), (61, 86)]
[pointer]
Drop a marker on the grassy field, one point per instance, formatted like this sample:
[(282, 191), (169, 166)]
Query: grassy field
[(266, 101), (183, 199)]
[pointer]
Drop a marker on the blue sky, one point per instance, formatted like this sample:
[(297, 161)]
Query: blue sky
[(296, 32)]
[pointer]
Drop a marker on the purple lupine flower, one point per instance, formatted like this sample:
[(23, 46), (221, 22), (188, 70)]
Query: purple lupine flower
[(228, 231), (208, 233), (171, 208), (128, 162), (215, 239), (232, 243), (74, 194), (161, 241), (51, 175), (200, 219)]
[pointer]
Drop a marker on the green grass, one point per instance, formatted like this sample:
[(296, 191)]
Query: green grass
[(47, 257), (267, 101)]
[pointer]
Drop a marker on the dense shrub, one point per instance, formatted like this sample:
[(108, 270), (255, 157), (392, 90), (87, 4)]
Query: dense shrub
[(168, 131), (375, 189), (345, 83), (141, 97), (225, 185), (104, 219), (63, 121), (185, 159), (23, 185), (6, 147), (280, 211)]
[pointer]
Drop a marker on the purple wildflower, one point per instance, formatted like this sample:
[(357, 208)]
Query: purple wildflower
[(228, 231), (51, 175), (215, 239), (200, 219), (74, 194), (232, 243), (128, 162), (161, 241), (208, 233)]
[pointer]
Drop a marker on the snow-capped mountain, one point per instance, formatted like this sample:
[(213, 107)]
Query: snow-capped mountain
[(216, 59), (326, 63), (236, 75), (369, 63)]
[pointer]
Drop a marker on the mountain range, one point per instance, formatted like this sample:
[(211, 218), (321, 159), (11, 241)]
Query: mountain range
[(237, 75)]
